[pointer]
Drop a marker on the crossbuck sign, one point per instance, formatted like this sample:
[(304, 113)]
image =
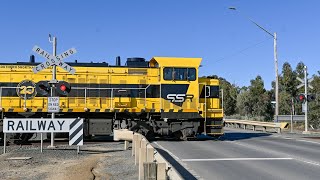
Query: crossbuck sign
[(51, 60), (303, 83)]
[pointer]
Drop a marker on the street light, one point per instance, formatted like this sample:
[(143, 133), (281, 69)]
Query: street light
[(274, 36)]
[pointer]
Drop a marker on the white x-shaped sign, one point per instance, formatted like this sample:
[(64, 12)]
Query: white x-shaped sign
[(51, 60), (303, 83)]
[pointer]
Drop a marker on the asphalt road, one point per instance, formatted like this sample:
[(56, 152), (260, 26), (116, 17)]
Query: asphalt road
[(245, 155)]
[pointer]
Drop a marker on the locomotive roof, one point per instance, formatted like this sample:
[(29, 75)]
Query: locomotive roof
[(161, 61), (175, 61), (70, 63)]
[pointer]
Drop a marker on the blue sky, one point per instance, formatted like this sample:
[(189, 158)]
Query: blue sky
[(230, 45)]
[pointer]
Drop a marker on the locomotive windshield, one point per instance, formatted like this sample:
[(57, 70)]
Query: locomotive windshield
[(179, 74)]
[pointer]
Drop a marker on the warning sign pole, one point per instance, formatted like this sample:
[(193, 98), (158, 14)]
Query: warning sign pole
[(52, 60), (54, 80)]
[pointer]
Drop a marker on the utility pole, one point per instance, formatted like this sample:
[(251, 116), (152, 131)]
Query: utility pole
[(277, 74), (274, 36)]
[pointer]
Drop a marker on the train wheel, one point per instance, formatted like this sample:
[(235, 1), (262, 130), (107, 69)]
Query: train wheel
[(181, 135)]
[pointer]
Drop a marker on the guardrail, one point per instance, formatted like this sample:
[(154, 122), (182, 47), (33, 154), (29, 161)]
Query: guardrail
[(152, 165), (300, 118), (244, 123)]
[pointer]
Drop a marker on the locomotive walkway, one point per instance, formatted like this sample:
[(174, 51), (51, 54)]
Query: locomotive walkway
[(246, 155)]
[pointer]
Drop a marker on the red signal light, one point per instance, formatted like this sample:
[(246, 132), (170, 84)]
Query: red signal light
[(63, 87), (301, 97)]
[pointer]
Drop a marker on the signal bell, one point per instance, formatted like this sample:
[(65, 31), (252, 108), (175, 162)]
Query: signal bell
[(63, 88)]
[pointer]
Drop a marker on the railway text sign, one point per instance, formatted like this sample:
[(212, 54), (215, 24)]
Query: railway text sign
[(33, 125)]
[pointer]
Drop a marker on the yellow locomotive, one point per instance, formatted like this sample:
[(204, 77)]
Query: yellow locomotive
[(160, 97)]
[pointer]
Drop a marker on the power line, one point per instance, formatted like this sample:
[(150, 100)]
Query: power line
[(241, 51)]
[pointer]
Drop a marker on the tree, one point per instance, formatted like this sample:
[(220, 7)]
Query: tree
[(244, 107), (260, 100), (300, 70), (288, 90), (314, 106), (289, 81), (255, 101), (285, 103), (262, 108), (257, 87), (229, 96)]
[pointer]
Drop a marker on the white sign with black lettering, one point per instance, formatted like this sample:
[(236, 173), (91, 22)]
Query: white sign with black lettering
[(32, 125), (51, 60), (53, 104)]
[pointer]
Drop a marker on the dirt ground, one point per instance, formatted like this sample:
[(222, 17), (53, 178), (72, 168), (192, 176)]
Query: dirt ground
[(103, 161)]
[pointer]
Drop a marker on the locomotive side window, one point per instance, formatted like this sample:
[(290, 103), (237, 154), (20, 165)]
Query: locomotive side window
[(214, 91), (192, 74), (179, 74), (167, 73)]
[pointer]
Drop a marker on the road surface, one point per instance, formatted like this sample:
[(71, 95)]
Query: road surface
[(245, 155)]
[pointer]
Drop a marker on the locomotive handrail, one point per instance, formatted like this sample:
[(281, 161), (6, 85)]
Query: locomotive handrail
[(85, 92), (85, 96)]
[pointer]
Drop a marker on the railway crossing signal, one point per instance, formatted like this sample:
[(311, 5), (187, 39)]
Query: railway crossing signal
[(304, 98), (62, 88), (54, 60)]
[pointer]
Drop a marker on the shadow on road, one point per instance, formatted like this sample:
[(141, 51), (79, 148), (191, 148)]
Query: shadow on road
[(182, 171), (228, 136), (232, 136)]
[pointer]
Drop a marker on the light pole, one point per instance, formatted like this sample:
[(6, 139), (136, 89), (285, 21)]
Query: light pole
[(274, 36)]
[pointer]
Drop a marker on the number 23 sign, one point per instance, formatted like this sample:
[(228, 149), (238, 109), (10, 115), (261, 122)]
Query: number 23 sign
[(26, 89)]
